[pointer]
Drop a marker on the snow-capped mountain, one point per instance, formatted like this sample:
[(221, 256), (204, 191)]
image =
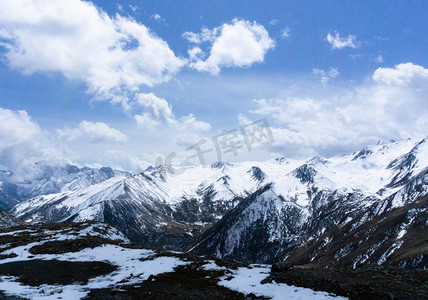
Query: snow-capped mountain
[(255, 211), (388, 204), (51, 179)]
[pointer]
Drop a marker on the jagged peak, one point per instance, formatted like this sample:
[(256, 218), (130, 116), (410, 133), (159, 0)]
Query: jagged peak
[(280, 160), (224, 179), (221, 164), (366, 151), (408, 160), (306, 173), (318, 160), (162, 171), (257, 173), (149, 169)]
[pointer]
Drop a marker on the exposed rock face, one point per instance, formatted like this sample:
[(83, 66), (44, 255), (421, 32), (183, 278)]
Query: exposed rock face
[(7, 220)]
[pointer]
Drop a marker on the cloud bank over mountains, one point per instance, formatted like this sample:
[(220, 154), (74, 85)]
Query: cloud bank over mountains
[(392, 105)]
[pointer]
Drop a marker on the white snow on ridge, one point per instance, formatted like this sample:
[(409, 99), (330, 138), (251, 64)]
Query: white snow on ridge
[(366, 171), (130, 268), (247, 281)]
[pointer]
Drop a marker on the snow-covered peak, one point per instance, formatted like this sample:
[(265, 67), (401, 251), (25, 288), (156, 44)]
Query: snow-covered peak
[(368, 171), (54, 179)]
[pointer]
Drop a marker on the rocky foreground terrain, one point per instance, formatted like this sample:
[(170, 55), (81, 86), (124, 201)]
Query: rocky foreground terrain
[(95, 261)]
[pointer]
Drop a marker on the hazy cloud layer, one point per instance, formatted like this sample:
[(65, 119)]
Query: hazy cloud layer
[(23, 143), (325, 75), (393, 106), (95, 132), (158, 112)]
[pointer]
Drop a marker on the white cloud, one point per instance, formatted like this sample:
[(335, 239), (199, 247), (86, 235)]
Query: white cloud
[(285, 33), (379, 59), (158, 112), (16, 127), (402, 74), (157, 17), (93, 132), (389, 108), (325, 76), (206, 35), (196, 53), (273, 22), (238, 44), (23, 143), (337, 42), (134, 8), (113, 55), (191, 123), (156, 106)]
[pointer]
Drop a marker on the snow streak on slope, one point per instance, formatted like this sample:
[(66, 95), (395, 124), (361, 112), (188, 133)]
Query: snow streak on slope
[(248, 281)]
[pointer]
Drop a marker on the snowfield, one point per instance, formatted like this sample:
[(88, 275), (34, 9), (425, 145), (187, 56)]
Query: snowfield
[(248, 281)]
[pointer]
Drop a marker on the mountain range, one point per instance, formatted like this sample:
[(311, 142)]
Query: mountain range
[(361, 208), (50, 179)]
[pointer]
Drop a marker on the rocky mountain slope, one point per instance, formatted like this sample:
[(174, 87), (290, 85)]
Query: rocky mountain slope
[(338, 226), (7, 220), (258, 211)]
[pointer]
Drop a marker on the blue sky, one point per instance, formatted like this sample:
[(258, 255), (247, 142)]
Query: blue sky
[(121, 83)]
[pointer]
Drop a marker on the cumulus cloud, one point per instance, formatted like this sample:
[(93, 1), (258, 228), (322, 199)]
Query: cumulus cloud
[(325, 75), (23, 144), (338, 42), (390, 107), (16, 127), (236, 44), (113, 55), (157, 111), (401, 75), (93, 132)]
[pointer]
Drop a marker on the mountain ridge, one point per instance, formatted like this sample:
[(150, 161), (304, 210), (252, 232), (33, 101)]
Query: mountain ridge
[(251, 211)]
